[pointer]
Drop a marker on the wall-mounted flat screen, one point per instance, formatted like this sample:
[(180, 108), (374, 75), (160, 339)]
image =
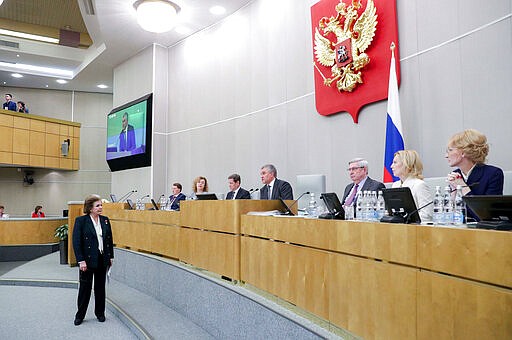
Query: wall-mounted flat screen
[(129, 135)]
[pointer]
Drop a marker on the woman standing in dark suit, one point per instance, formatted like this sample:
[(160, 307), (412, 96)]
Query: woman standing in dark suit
[(94, 252)]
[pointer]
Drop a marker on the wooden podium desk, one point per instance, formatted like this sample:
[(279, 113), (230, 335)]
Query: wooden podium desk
[(210, 233), (24, 231), (381, 280)]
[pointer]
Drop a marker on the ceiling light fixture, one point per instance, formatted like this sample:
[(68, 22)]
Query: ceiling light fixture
[(35, 70), (29, 36), (61, 81), (16, 75), (217, 10), (102, 86), (156, 16)]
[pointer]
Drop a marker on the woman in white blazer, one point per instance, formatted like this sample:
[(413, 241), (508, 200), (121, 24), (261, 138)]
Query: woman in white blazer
[(408, 167)]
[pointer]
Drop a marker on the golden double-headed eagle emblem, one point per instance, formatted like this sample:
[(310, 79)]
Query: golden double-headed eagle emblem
[(345, 56)]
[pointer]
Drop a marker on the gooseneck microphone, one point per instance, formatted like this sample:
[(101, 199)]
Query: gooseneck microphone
[(417, 211), (301, 195), (140, 199), (125, 196)]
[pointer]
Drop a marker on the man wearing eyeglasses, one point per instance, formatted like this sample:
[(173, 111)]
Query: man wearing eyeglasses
[(358, 172)]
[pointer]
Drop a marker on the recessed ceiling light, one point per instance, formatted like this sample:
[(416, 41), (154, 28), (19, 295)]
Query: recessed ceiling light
[(102, 86), (16, 75), (46, 85), (5, 82), (61, 81), (17, 55), (183, 30), (217, 10)]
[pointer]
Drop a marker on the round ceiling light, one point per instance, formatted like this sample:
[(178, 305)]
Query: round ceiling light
[(156, 16)]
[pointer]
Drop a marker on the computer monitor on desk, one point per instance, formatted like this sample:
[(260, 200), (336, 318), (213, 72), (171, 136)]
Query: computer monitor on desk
[(400, 205), (206, 197), (494, 211)]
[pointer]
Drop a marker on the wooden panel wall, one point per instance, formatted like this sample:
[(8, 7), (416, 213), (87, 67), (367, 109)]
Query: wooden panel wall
[(29, 231), (31, 140)]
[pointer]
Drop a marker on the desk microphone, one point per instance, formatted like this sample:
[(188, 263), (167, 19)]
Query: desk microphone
[(128, 194), (408, 217), (295, 202), (140, 199)]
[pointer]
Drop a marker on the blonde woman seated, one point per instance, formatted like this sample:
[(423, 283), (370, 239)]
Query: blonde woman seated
[(408, 167)]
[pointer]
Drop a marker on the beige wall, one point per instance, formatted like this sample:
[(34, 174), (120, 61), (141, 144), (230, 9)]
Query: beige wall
[(241, 94), (54, 188)]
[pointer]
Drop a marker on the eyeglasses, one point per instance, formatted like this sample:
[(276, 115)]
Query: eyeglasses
[(355, 168), (448, 150)]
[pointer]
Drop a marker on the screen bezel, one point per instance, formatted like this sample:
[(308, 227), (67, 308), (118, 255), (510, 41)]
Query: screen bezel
[(333, 204), (490, 207), (142, 159), (401, 198)]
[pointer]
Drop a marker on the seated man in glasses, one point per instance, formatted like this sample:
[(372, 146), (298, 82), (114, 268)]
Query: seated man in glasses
[(358, 172)]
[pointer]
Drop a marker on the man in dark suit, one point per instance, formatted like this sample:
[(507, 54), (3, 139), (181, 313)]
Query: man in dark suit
[(127, 135), (358, 171), (176, 197), (94, 252), (236, 192), (274, 188), (9, 103)]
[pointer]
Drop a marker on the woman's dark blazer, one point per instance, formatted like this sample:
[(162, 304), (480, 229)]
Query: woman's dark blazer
[(85, 241)]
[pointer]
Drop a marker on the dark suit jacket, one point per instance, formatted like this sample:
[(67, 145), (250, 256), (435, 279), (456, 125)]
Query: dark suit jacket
[(242, 194), (484, 180), (369, 184), (281, 189), (85, 241), (10, 105), (130, 144), (176, 203)]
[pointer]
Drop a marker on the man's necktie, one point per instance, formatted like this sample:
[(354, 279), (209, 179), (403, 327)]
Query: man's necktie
[(350, 199)]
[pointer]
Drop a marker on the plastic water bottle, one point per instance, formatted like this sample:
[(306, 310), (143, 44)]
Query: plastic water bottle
[(138, 205), (312, 208), (437, 216), (380, 206), (372, 213), (459, 210), (162, 202), (447, 206), (359, 206)]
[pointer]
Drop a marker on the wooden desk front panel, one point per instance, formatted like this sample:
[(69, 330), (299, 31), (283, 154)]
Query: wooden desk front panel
[(452, 308), (213, 251), (221, 215), (373, 299), (483, 255), (35, 231), (74, 210), (293, 273), (390, 242)]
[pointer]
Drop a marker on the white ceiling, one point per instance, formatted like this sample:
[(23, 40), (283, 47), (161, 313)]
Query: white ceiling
[(116, 37)]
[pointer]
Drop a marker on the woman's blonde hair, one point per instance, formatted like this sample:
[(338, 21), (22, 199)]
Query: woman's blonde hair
[(412, 162), (196, 180), (473, 144)]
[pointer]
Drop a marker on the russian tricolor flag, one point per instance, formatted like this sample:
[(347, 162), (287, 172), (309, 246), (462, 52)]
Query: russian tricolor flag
[(394, 134)]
